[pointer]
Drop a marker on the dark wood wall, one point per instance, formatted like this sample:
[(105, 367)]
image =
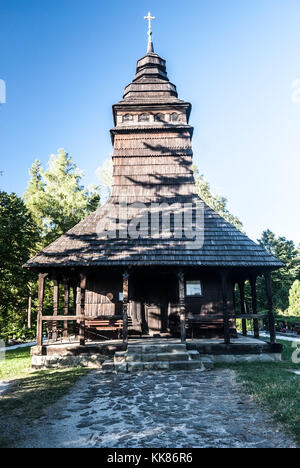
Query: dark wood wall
[(153, 297), (102, 294)]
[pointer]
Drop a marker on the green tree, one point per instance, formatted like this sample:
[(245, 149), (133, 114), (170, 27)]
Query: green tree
[(56, 198), (283, 278), (105, 174), (294, 299), (216, 202), (18, 238)]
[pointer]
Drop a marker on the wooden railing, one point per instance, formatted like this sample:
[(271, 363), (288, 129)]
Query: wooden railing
[(80, 319), (198, 319), (209, 318)]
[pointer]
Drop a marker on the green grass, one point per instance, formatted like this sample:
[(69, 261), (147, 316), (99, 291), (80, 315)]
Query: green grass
[(17, 363), (274, 387), (31, 392)]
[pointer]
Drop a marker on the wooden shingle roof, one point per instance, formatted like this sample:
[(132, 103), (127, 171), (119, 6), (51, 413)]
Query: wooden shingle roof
[(223, 245), (153, 163)]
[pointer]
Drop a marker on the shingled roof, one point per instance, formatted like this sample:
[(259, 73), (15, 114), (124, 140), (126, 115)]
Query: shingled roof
[(153, 163), (224, 245)]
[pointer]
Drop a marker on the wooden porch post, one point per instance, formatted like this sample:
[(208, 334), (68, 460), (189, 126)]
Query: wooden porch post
[(242, 298), (233, 297), (74, 288), (39, 328), (254, 305), (125, 305), (82, 309), (272, 329), (66, 307), (182, 306), (55, 307), (224, 275)]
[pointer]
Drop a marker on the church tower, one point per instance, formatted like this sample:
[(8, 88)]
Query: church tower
[(152, 137)]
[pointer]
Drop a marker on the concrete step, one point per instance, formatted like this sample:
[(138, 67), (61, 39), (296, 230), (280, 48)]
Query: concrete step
[(194, 355), (149, 357), (124, 367), (156, 348), (207, 362), (156, 356), (186, 365)]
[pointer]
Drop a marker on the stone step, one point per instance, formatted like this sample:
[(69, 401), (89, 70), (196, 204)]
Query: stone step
[(156, 348), (124, 367), (186, 365), (155, 356), (147, 357), (193, 354), (207, 362)]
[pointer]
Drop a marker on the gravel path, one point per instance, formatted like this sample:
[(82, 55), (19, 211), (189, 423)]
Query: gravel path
[(4, 386), (158, 410)]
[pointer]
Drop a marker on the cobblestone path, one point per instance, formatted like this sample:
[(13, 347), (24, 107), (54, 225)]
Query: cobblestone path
[(170, 410)]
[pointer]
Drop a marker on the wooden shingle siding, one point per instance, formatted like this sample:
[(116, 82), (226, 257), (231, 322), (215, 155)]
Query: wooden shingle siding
[(152, 164)]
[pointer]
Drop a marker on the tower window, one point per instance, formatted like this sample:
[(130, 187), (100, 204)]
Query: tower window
[(194, 288), (127, 118), (144, 118), (159, 118), (174, 117)]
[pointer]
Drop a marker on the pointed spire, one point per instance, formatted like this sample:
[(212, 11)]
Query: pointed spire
[(150, 48)]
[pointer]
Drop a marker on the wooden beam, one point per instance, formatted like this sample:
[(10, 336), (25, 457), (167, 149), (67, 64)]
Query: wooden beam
[(212, 318), (82, 309), (254, 305), (272, 330), (55, 306), (66, 307), (225, 307), (125, 305), (243, 311), (60, 318), (182, 308), (181, 287), (74, 289), (233, 296), (41, 292)]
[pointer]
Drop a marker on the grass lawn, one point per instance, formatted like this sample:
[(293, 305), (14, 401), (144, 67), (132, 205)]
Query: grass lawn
[(274, 387), (31, 392), (17, 363)]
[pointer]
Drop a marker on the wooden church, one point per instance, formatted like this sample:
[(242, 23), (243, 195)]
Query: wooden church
[(119, 275)]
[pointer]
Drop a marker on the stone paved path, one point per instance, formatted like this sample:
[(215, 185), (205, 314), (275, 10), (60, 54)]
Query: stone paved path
[(170, 410)]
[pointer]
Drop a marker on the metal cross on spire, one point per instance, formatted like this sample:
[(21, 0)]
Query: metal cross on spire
[(150, 44), (149, 18)]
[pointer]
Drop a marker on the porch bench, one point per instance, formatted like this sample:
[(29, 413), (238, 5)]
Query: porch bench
[(203, 322), (107, 324)]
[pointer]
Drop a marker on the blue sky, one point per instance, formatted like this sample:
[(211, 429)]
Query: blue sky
[(66, 62)]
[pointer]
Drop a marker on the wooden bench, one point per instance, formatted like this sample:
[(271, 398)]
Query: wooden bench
[(107, 324), (204, 322)]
